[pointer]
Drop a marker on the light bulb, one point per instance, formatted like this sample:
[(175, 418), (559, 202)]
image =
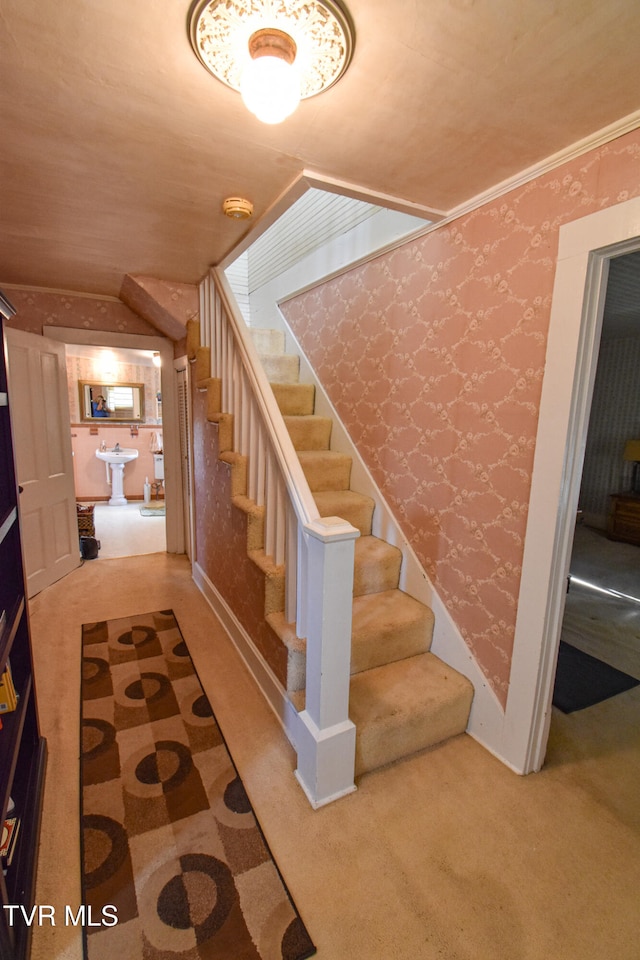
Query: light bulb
[(270, 88)]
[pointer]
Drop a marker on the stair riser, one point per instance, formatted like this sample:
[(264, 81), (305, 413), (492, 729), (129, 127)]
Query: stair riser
[(309, 433), (325, 473), (359, 513), (281, 369), (373, 578), (370, 649), (406, 706), (294, 400), (386, 742), (268, 341)]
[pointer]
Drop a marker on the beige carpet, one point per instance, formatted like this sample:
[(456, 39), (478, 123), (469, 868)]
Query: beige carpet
[(445, 856)]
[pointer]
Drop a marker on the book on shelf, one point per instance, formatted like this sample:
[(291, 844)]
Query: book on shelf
[(10, 831), (8, 698)]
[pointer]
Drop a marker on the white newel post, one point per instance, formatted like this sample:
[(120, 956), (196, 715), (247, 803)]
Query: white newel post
[(327, 741)]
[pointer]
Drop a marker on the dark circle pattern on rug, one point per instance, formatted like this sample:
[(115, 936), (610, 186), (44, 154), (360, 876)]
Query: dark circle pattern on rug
[(170, 765), (150, 687), (235, 797), (201, 897), (89, 630), (296, 941), (94, 668), (180, 649), (137, 636), (201, 708), (114, 838), (98, 736)]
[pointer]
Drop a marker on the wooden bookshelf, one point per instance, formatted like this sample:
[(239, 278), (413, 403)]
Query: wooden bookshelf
[(22, 748)]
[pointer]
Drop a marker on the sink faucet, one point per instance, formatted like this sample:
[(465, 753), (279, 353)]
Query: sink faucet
[(116, 449)]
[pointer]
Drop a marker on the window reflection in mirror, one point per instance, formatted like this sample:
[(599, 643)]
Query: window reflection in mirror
[(113, 401)]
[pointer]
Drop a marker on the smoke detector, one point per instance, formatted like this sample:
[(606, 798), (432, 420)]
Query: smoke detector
[(237, 208)]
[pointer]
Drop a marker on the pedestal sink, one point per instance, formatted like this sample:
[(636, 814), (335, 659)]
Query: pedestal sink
[(116, 459)]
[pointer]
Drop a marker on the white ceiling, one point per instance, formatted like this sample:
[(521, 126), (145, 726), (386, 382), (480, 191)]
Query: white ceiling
[(315, 219), (118, 147)]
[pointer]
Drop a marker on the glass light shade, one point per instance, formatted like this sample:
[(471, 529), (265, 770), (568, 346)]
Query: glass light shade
[(270, 88)]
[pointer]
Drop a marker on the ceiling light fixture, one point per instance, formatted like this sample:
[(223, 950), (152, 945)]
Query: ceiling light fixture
[(273, 53)]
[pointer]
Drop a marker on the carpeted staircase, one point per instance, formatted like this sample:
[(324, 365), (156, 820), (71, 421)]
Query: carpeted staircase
[(402, 697)]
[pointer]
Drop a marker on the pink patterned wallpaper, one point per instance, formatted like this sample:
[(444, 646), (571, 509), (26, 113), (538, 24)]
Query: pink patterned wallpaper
[(221, 541), (433, 355), (39, 309), (167, 305)]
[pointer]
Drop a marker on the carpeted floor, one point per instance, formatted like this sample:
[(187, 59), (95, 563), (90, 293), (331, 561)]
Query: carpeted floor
[(446, 856), (171, 847)]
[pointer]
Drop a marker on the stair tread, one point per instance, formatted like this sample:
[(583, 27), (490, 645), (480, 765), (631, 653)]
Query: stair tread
[(406, 706), (376, 548), (325, 456), (392, 606), (307, 418), (404, 686)]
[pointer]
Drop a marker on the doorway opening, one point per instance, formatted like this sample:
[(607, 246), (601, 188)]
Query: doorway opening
[(137, 525), (586, 249), (163, 405), (602, 611)]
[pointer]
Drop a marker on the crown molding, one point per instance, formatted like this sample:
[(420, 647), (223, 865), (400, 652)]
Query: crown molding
[(599, 138), (60, 293)]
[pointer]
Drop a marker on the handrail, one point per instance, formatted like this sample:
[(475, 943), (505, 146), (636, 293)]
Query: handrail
[(297, 486)]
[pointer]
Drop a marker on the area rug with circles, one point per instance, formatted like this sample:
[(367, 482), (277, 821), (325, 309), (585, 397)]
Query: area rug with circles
[(174, 861)]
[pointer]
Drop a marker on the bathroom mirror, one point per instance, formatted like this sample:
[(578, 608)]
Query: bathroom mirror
[(112, 401)]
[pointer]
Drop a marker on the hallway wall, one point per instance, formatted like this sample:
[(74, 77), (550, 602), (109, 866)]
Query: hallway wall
[(434, 355), (38, 309), (221, 538)]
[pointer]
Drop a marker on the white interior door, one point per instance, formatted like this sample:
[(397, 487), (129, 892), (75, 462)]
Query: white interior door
[(42, 440)]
